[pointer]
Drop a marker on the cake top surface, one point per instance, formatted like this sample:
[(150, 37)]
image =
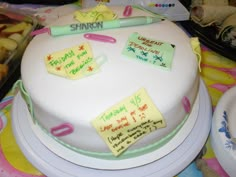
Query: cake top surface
[(118, 77)]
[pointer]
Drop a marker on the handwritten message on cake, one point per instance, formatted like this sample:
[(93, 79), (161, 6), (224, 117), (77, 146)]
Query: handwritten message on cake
[(73, 63), (148, 50), (128, 121)]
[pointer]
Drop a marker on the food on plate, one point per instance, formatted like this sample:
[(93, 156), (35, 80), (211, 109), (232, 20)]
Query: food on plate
[(14, 30)]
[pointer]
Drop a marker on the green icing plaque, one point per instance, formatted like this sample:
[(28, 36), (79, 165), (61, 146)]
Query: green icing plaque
[(148, 50)]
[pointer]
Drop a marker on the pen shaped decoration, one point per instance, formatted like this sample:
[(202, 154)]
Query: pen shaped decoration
[(40, 31), (98, 26)]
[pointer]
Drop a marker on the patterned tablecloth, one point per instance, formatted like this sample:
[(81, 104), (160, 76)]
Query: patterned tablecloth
[(219, 74)]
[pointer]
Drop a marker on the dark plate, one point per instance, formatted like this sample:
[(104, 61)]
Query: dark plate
[(207, 36)]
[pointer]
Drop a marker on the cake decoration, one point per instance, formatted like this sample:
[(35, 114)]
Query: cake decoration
[(19, 86), (152, 51), (186, 104), (78, 28), (62, 130), (118, 79), (127, 11), (99, 37), (73, 63), (128, 121), (197, 50), (99, 13)]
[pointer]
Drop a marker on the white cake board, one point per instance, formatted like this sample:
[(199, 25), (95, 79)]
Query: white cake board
[(53, 166)]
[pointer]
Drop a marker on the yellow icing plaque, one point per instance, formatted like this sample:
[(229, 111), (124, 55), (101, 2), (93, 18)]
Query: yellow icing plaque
[(74, 63), (99, 13), (197, 50), (128, 121)]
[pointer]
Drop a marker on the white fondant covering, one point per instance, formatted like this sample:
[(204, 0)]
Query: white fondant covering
[(58, 100)]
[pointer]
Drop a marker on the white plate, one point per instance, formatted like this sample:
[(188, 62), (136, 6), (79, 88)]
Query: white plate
[(52, 165), (223, 129)]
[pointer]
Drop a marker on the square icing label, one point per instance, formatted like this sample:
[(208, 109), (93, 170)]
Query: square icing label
[(74, 63), (148, 50), (99, 13), (128, 121)]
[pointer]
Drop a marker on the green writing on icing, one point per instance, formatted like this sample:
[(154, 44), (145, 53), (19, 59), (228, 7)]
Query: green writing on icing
[(55, 62), (141, 58), (148, 50), (108, 115), (69, 64), (67, 55), (82, 54), (61, 59), (77, 69)]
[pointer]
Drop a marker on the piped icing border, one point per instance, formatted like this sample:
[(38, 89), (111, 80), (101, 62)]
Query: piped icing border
[(108, 155)]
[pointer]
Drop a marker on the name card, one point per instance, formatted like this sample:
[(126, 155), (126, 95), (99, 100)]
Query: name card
[(148, 50), (128, 121), (73, 63)]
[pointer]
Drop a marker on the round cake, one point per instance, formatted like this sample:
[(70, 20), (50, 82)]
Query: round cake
[(146, 73)]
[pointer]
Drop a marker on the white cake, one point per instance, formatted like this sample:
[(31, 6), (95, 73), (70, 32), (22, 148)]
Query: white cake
[(58, 101)]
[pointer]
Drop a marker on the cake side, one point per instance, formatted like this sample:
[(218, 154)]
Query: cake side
[(58, 100)]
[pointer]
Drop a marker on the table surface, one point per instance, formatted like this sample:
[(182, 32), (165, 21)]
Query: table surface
[(14, 164)]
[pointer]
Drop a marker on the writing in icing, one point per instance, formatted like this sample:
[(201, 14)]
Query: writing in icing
[(128, 121), (86, 26), (152, 51), (74, 63)]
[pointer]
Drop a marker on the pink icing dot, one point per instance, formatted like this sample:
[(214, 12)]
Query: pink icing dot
[(186, 104)]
